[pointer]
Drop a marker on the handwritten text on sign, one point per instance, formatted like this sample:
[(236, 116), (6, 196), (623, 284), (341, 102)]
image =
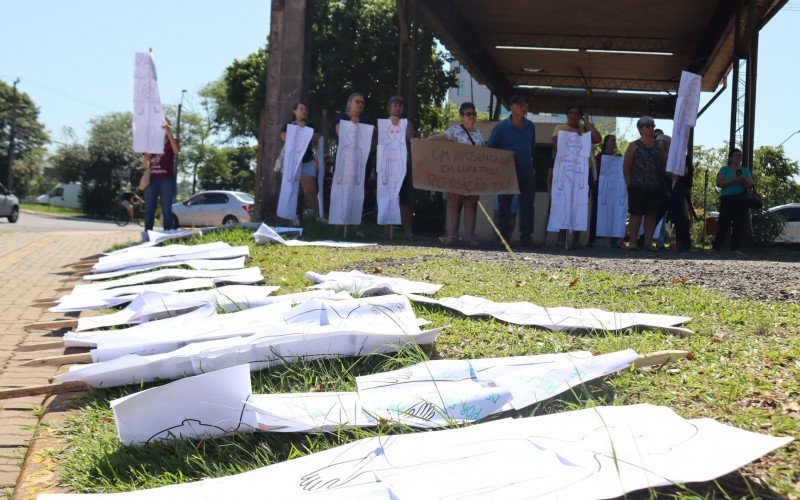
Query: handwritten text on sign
[(452, 167)]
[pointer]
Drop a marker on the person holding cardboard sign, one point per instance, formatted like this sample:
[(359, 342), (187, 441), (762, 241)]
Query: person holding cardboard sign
[(464, 133)]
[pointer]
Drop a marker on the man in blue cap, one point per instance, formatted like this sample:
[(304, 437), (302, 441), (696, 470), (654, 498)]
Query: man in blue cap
[(516, 133)]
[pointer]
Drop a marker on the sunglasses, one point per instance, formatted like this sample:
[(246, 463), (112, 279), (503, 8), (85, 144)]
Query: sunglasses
[(470, 113)]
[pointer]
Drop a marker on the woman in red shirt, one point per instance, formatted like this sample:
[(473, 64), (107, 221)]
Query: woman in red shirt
[(163, 182)]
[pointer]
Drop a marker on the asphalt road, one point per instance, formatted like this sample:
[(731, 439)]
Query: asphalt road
[(44, 223)]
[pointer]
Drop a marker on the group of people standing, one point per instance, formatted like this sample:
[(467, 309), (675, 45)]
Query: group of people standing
[(653, 193)]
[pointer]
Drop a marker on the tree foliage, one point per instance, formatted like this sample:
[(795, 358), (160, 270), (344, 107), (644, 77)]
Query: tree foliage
[(111, 159), (775, 176), (229, 168), (354, 49), (30, 134)]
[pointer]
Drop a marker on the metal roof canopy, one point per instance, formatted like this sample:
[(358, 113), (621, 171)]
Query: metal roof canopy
[(639, 48)]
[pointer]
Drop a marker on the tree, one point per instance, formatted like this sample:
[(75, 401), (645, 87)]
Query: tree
[(229, 168), (111, 160), (29, 132), (29, 179), (354, 48), (68, 162), (775, 176)]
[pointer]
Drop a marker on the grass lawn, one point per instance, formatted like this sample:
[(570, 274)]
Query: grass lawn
[(746, 369), (48, 209)]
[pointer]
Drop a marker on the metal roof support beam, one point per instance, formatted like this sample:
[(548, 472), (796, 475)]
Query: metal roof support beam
[(588, 42), (444, 18), (576, 81)]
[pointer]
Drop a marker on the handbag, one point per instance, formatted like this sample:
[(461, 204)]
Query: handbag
[(145, 180), (753, 200), (279, 162)]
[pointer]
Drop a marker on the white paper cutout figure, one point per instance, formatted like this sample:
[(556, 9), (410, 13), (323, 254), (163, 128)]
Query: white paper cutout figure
[(552, 318), (297, 141), (425, 395), (594, 453), (569, 205), (321, 177), (392, 155), (612, 198), (347, 193), (266, 235), (363, 284), (685, 118), (148, 115)]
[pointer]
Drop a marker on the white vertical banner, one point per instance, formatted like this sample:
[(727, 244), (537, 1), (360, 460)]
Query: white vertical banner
[(612, 198), (392, 155), (347, 192), (295, 146), (685, 118), (321, 176), (148, 115), (569, 205)]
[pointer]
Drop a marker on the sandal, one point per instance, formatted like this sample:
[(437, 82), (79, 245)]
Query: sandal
[(447, 241), (473, 242)]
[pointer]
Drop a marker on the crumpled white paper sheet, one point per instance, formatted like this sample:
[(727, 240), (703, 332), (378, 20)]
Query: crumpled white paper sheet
[(265, 235), (365, 285)]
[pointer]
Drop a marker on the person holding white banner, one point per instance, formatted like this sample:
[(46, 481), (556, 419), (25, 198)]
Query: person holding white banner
[(162, 182), (406, 188), (308, 168), (580, 123)]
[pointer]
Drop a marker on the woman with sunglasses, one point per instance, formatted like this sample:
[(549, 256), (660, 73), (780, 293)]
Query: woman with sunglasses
[(464, 133), (644, 167)]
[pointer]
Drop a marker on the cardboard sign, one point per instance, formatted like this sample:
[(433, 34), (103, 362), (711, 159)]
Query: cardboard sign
[(452, 167)]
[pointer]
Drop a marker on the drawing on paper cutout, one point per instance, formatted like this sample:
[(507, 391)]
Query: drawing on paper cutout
[(391, 169), (572, 178), (297, 141), (685, 118), (148, 113), (195, 425), (349, 180), (612, 198)]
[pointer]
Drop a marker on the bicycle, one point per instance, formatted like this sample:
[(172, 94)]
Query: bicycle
[(122, 218)]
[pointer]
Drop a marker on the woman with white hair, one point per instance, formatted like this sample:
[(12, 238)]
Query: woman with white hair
[(644, 166)]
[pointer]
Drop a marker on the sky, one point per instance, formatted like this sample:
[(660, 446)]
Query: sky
[(75, 59)]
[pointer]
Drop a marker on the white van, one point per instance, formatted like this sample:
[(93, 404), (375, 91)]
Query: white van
[(63, 195)]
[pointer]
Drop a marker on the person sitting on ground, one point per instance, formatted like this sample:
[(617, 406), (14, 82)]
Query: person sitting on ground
[(644, 166), (129, 201), (464, 133)]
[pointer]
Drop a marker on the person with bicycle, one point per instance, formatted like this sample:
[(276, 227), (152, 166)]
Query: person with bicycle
[(130, 200)]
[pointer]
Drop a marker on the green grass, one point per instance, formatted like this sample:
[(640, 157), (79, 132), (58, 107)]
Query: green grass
[(746, 370), (47, 209)]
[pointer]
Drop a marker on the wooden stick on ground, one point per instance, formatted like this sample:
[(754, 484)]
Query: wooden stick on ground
[(41, 346), (660, 358), (52, 325), (64, 359), (38, 390)]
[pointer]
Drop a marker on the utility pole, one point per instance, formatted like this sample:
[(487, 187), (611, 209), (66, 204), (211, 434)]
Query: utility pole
[(178, 138), (11, 137)]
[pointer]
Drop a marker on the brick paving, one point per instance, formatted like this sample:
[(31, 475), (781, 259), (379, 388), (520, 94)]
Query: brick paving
[(32, 266)]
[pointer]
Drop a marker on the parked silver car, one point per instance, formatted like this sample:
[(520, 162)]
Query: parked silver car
[(212, 208), (791, 214), (9, 205)]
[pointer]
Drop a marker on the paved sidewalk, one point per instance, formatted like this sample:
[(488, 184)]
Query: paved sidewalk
[(32, 267)]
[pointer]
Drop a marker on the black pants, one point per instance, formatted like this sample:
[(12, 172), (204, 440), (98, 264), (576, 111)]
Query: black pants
[(526, 179), (593, 220), (677, 214), (732, 216)]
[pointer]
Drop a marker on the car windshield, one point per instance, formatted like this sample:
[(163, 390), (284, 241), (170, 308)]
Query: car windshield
[(245, 197)]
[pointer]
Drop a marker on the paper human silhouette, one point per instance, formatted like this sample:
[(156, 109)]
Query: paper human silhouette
[(392, 155), (148, 115), (612, 198), (570, 195), (347, 193), (685, 118), (297, 141)]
